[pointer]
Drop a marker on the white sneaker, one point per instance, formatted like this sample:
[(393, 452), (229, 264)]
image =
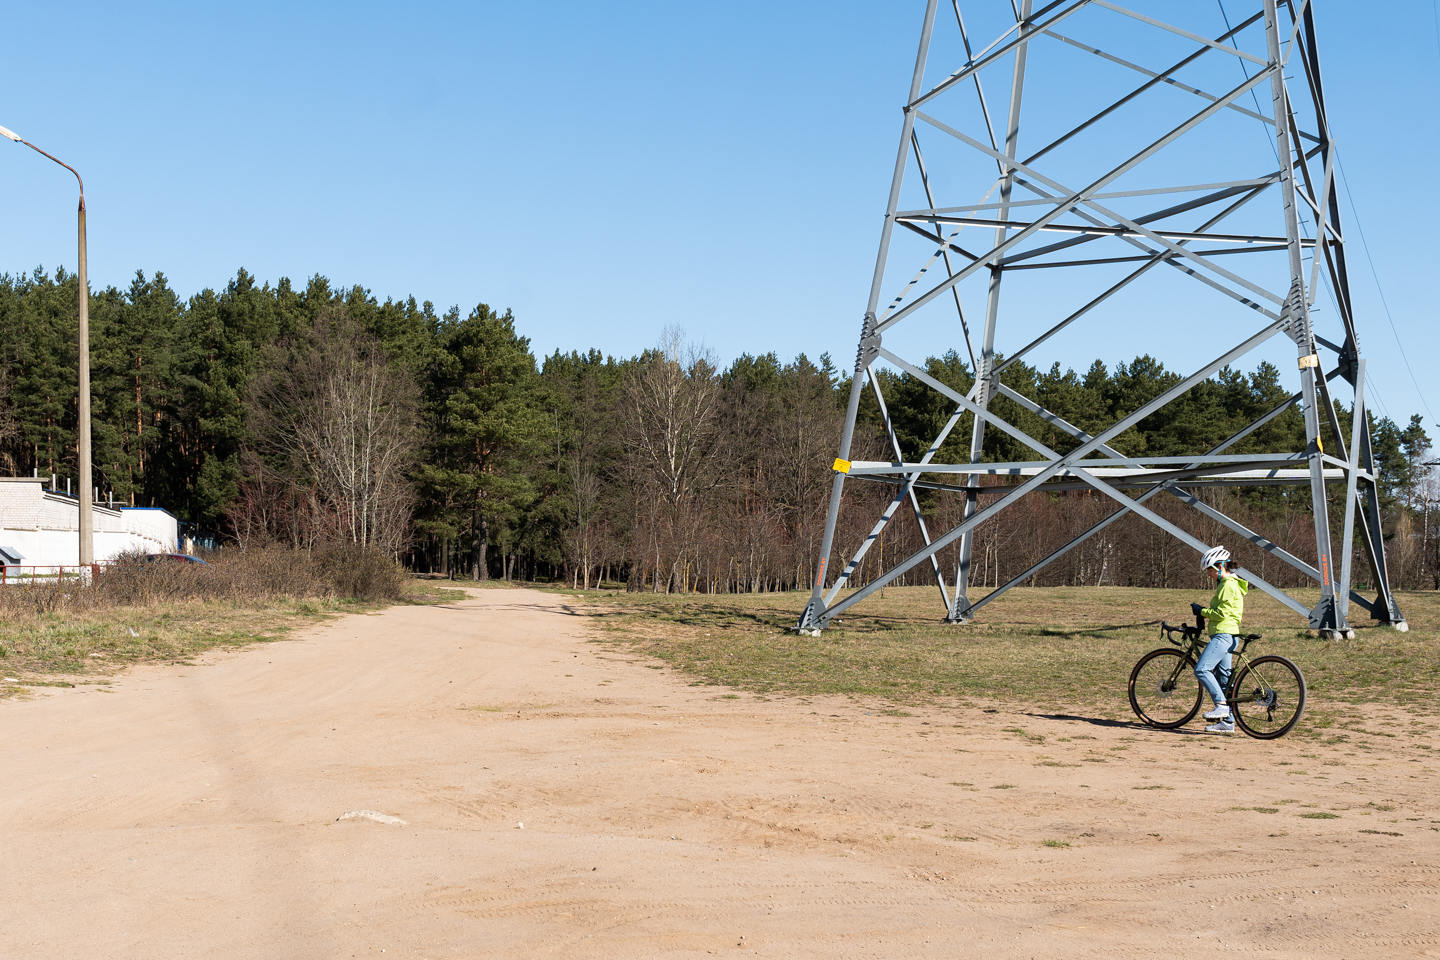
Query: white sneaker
[(1223, 726), (1221, 712)]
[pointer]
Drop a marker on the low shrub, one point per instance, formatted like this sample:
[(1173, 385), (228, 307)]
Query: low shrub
[(137, 579), (264, 573), (363, 573), (36, 599), (251, 575)]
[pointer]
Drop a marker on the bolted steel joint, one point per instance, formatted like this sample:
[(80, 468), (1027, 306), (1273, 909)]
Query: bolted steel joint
[(1297, 316), (812, 621), (957, 615), (869, 343)]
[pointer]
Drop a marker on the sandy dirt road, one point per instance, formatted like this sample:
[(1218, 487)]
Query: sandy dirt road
[(561, 799)]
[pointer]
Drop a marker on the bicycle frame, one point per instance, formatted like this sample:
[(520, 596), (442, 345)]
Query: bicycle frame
[(1193, 641)]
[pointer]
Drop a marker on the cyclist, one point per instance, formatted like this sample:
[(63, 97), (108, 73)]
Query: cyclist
[(1223, 614)]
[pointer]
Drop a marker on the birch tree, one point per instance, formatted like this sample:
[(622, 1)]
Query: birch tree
[(341, 419), (672, 397)]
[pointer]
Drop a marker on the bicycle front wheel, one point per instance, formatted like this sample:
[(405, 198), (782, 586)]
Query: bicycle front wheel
[(1164, 691), (1268, 697)]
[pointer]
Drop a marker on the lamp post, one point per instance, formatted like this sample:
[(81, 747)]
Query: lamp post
[(83, 498)]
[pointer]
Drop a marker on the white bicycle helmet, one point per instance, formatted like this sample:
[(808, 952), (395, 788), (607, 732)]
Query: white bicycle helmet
[(1214, 557)]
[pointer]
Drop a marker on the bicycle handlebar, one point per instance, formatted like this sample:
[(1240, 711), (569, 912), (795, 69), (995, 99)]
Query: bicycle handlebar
[(1189, 632)]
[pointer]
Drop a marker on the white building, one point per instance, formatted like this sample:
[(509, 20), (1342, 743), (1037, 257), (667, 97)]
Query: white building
[(43, 526)]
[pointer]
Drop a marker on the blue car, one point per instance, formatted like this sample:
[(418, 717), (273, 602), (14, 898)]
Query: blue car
[(172, 558)]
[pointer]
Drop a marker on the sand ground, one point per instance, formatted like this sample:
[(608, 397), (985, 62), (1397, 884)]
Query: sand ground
[(561, 799)]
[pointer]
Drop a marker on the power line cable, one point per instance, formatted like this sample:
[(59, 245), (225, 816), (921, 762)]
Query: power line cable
[(1435, 9), (1350, 199), (1245, 72), (1365, 245), (1306, 228), (1274, 148)]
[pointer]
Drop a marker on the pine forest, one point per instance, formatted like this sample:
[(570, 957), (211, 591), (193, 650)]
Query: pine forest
[(260, 413)]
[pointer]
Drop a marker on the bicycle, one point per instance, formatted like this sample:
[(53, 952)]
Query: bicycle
[(1266, 694)]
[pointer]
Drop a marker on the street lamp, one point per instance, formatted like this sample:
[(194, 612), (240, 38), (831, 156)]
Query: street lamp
[(87, 551)]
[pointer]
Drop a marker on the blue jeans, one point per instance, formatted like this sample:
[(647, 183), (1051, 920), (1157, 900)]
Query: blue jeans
[(1213, 668)]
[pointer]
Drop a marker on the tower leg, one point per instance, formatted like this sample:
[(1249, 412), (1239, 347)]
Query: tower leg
[(1326, 616), (814, 617)]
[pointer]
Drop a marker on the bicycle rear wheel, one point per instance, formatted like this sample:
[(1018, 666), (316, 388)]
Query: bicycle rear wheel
[(1164, 691), (1268, 697)]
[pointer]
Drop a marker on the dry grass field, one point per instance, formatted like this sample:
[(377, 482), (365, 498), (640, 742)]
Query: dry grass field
[(1060, 649), (64, 633)]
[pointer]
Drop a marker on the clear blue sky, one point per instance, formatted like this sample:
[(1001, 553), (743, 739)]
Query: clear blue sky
[(602, 169)]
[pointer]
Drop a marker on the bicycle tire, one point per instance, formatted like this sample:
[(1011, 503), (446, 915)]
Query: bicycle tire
[(1268, 697), (1164, 691)]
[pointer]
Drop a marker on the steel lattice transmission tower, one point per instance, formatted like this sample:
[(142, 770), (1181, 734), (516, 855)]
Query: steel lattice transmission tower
[(1097, 172)]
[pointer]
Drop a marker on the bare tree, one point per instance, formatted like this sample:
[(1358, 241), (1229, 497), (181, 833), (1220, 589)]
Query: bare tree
[(338, 418), (671, 400)]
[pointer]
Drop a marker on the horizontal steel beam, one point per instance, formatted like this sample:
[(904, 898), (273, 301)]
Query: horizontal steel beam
[(1218, 192), (1102, 230), (1018, 468)]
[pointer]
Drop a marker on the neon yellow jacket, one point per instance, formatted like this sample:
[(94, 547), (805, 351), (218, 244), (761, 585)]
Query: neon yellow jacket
[(1227, 606)]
